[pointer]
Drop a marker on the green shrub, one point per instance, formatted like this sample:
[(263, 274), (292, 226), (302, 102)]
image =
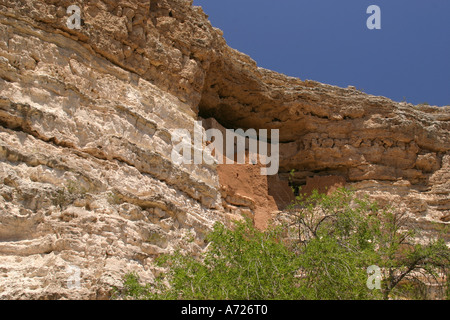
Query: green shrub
[(323, 253), (240, 264)]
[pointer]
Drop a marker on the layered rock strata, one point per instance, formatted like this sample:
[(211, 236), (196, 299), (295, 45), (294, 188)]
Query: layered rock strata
[(88, 187)]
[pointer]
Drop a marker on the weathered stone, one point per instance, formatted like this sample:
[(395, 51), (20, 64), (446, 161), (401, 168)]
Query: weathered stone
[(86, 177)]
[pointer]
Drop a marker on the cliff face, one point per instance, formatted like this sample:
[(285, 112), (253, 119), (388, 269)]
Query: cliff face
[(87, 182)]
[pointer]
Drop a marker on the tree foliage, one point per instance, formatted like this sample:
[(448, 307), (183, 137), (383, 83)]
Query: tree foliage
[(323, 253)]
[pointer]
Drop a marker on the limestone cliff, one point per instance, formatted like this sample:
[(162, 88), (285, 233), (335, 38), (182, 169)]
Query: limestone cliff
[(86, 176)]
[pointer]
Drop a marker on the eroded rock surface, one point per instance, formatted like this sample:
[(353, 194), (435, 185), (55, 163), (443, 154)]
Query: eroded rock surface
[(86, 119)]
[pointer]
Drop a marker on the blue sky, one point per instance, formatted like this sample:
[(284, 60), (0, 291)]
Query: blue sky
[(328, 41)]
